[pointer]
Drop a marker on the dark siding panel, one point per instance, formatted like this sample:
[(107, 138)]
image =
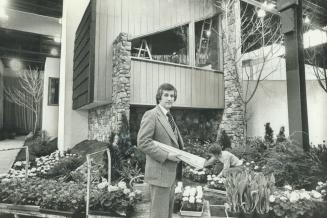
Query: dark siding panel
[(83, 76)]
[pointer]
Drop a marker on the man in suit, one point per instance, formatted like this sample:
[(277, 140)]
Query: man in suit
[(161, 168)]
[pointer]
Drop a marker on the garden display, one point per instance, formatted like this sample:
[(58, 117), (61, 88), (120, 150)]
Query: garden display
[(216, 183), (195, 175), (192, 201)]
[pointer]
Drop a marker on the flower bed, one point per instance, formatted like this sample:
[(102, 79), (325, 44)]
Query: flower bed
[(216, 183), (67, 196), (46, 166), (287, 202)]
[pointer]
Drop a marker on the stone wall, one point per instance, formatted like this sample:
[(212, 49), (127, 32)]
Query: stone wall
[(107, 119), (193, 124), (232, 120)]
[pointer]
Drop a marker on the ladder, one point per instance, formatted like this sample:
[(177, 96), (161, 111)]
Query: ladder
[(202, 52), (144, 50)]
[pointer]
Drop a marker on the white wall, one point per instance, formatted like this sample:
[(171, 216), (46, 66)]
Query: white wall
[(270, 105), (72, 124), (1, 93), (50, 113)]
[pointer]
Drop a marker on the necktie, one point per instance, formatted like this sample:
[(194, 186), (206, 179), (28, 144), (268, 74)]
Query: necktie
[(171, 121)]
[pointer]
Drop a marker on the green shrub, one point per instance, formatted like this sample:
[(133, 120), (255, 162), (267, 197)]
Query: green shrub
[(269, 133), (291, 165), (64, 167)]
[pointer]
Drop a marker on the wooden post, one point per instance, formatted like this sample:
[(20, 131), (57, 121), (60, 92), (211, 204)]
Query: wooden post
[(291, 18), (88, 160), (109, 168), (27, 159)]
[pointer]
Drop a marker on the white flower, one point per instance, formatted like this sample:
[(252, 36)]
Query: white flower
[(112, 188), (247, 164), (18, 163), (283, 198), (272, 198), (198, 200), (323, 191), (179, 184), (315, 194), (122, 185), (304, 195), (320, 183), (256, 167), (288, 187), (209, 178), (102, 185), (252, 162), (126, 191), (131, 195), (178, 190), (212, 183), (294, 197), (185, 198), (191, 200)]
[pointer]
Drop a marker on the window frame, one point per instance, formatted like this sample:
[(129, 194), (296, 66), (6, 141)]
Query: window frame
[(50, 79)]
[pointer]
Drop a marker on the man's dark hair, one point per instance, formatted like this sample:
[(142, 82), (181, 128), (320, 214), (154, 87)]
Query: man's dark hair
[(165, 87), (215, 149)]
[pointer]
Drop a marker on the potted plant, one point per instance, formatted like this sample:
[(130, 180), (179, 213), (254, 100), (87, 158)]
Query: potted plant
[(192, 204)]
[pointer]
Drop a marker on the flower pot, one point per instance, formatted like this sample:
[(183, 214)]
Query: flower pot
[(185, 212), (217, 210)]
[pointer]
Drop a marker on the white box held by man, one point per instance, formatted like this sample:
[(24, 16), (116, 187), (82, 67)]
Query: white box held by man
[(190, 159)]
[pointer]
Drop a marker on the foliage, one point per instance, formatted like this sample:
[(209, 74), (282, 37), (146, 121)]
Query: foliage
[(196, 146), (295, 203), (192, 198), (123, 163), (119, 199), (43, 165), (216, 182), (29, 95), (224, 140), (291, 165), (269, 137), (322, 189), (195, 175), (252, 151), (63, 167), (281, 135), (248, 192), (39, 145), (66, 196)]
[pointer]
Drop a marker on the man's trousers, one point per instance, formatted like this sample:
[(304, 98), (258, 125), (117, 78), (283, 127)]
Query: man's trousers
[(162, 201)]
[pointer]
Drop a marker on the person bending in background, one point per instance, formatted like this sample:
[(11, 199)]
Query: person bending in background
[(230, 161)]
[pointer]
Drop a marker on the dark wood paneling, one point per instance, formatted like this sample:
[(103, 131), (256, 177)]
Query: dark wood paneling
[(84, 51)]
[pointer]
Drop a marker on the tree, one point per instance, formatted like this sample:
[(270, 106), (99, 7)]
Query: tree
[(29, 94), (259, 41), (316, 57)]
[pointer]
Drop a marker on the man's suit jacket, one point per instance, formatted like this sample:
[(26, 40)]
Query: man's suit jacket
[(159, 170)]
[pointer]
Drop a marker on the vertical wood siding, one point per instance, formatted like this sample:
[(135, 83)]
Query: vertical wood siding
[(196, 87), (137, 18)]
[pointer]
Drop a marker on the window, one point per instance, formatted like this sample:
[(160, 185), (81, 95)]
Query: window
[(53, 92), (196, 43), (168, 46), (206, 43)]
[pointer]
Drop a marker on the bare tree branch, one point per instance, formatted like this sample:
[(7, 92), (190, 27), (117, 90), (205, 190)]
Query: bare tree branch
[(29, 93)]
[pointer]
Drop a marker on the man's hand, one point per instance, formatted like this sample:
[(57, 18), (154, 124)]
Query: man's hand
[(173, 157)]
